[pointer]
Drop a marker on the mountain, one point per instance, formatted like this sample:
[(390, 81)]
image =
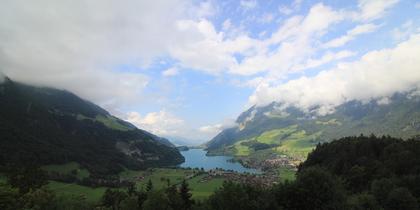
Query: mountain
[(278, 130), (40, 125)]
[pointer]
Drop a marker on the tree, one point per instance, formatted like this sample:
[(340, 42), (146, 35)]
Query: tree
[(27, 178), (233, 196), (401, 198), (131, 188), (130, 203), (8, 197), (174, 198), (38, 199), (381, 188), (156, 200), (314, 188), (363, 201), (185, 194), (141, 198), (149, 186), (113, 198)]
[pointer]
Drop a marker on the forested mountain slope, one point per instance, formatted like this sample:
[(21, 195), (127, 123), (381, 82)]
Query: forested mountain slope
[(48, 126)]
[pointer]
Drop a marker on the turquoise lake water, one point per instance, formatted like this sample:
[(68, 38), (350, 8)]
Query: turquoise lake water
[(196, 158)]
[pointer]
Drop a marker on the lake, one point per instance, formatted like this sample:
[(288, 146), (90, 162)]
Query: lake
[(196, 158)]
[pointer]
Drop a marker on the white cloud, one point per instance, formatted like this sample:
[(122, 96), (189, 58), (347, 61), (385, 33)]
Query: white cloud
[(287, 10), (77, 45), (417, 6), (404, 31), (294, 42), (160, 123), (373, 9), (376, 75), (206, 9), (351, 34), (248, 4), (326, 58), (212, 130), (170, 72)]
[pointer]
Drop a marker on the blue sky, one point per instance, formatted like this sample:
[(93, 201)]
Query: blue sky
[(189, 68)]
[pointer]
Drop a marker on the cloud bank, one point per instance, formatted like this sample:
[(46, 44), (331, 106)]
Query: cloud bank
[(376, 75), (79, 45)]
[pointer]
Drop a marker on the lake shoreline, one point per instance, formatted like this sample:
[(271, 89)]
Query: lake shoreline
[(198, 158)]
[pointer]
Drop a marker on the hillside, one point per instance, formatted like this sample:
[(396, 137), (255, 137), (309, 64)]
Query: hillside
[(48, 126), (275, 130)]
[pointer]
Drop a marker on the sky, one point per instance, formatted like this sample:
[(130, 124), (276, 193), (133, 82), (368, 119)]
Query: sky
[(187, 69)]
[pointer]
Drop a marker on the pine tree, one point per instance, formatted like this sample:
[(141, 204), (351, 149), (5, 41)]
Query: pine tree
[(184, 191), (149, 186)]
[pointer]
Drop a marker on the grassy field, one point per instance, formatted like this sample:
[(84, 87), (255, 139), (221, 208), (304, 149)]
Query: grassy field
[(67, 169), (109, 121), (286, 174), (91, 194), (275, 135), (201, 190), (298, 144), (291, 141), (241, 150), (160, 176)]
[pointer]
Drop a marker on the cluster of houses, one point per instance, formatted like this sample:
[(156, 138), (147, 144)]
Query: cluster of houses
[(280, 161), (261, 180)]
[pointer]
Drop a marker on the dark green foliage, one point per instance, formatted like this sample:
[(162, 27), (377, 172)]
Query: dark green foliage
[(184, 192), (130, 203), (8, 197), (26, 178), (234, 196), (149, 186), (378, 166), (113, 198), (314, 188), (381, 187), (363, 201), (38, 199), (156, 200), (50, 126), (401, 198)]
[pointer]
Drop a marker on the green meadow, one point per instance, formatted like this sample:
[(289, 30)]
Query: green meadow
[(68, 169), (291, 141), (90, 194), (159, 177)]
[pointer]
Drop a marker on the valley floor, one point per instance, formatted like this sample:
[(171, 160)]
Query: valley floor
[(201, 183)]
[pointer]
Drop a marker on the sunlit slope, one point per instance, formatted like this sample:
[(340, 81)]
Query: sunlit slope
[(262, 132)]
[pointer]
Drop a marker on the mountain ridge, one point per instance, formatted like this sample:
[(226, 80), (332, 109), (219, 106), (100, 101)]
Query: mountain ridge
[(50, 126), (275, 129)]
